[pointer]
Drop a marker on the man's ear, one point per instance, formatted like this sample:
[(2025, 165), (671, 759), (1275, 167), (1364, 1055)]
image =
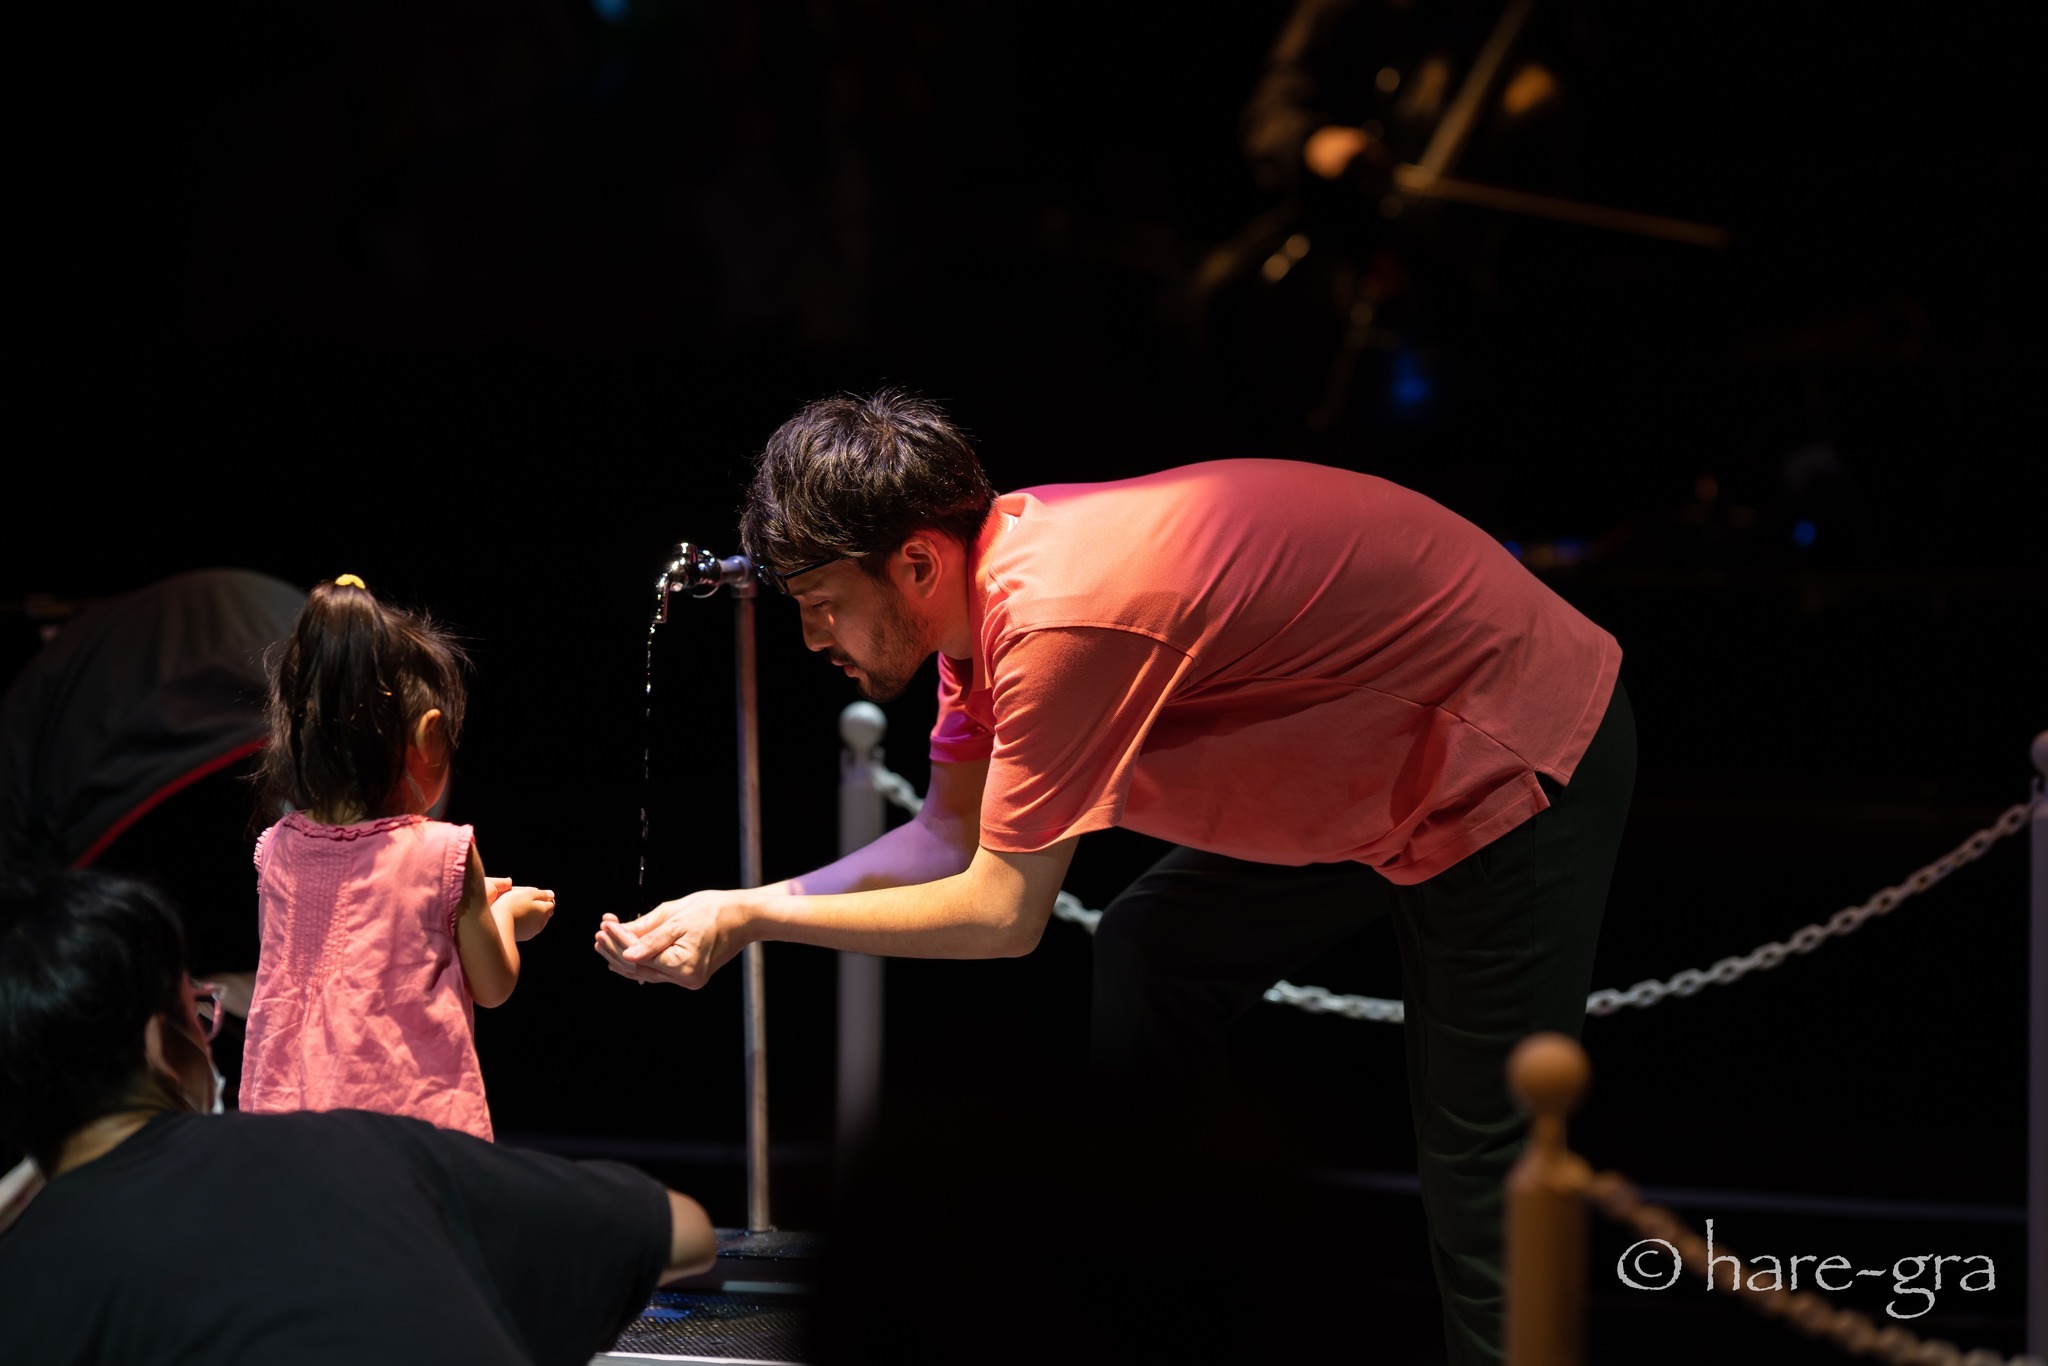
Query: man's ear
[(916, 565)]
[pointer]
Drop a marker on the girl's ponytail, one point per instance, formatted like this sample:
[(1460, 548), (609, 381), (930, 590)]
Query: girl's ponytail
[(345, 692)]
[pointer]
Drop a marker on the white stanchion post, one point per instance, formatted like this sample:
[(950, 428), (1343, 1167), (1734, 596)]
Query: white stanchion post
[(862, 818), (2037, 1067)]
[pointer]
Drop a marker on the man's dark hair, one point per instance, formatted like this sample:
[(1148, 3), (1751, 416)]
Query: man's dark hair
[(851, 478), (85, 960), (345, 691)]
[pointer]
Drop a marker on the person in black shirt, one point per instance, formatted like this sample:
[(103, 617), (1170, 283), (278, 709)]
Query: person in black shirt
[(168, 1233)]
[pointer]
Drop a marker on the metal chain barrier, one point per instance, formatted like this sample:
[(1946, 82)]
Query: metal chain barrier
[(1321, 1001), (1068, 907), (1856, 1334), (897, 789), (1810, 937)]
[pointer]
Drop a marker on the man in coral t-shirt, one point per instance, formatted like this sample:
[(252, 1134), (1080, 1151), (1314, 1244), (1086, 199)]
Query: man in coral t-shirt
[(1337, 698)]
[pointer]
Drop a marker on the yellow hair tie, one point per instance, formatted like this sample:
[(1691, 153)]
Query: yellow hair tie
[(351, 581)]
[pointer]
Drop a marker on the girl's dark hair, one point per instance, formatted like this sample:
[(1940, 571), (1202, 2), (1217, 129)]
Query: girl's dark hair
[(854, 477), (85, 960), (345, 692)]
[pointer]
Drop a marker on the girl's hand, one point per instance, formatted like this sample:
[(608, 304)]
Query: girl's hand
[(238, 990), (528, 908)]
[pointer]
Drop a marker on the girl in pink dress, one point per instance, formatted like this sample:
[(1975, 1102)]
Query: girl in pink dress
[(380, 931)]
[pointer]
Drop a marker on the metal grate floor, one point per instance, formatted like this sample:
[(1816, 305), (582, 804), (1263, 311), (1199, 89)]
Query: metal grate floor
[(699, 1326)]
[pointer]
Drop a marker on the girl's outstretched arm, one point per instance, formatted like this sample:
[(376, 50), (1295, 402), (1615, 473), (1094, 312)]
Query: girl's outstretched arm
[(488, 930)]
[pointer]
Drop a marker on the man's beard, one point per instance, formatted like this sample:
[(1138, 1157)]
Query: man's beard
[(899, 653)]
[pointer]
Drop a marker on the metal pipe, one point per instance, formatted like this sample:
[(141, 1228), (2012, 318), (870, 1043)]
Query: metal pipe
[(1418, 181), (700, 573), (754, 996), (1449, 137)]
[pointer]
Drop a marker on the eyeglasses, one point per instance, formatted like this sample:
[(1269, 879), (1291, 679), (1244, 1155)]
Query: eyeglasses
[(780, 581), (206, 1004)]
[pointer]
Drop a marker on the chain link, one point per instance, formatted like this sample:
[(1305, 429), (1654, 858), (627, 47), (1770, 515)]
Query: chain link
[(1067, 906), (897, 789), (1854, 1333), (1320, 1001), (1810, 937)]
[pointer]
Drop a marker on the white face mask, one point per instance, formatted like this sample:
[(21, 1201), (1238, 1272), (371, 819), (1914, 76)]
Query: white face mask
[(220, 1084)]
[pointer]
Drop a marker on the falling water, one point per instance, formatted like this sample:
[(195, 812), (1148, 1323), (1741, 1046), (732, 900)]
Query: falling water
[(647, 713)]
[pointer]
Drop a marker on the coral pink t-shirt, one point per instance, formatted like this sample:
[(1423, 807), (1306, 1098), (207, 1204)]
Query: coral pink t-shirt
[(361, 1002), (1275, 661)]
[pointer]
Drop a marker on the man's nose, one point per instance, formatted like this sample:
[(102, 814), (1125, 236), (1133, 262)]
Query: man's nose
[(816, 638)]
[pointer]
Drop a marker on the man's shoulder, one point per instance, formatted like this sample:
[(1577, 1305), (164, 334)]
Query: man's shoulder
[(354, 1130), (272, 1142), (1160, 555), (1200, 480)]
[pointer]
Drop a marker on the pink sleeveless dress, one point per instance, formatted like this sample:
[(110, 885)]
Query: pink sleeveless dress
[(360, 999)]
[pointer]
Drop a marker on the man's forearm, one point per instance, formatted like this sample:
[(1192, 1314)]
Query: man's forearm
[(997, 908), (925, 890), (910, 854), (958, 916)]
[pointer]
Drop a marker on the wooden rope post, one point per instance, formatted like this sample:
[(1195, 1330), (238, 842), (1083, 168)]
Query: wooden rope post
[(1544, 1226), (2037, 1062)]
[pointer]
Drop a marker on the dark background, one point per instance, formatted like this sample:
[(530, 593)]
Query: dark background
[(491, 304)]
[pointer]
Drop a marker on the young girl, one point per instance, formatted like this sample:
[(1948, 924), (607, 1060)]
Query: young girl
[(380, 932)]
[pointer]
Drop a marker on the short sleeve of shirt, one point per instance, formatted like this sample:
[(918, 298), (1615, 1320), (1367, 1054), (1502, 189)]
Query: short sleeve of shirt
[(957, 738), (1073, 706), (574, 1248)]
